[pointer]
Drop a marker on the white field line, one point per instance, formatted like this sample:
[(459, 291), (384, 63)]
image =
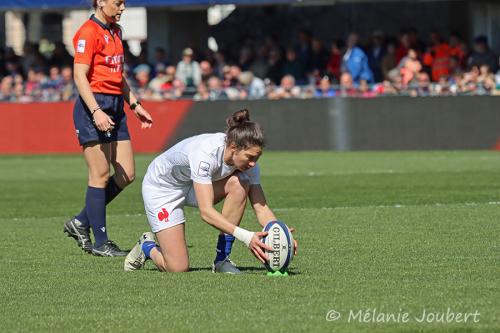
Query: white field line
[(437, 204), (283, 209), (313, 173)]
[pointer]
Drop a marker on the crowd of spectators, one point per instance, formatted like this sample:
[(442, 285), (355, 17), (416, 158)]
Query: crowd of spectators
[(379, 66)]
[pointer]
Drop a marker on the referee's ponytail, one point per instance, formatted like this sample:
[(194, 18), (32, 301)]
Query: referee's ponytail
[(242, 132)]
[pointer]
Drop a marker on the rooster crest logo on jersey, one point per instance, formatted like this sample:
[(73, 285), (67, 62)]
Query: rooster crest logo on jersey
[(163, 215)]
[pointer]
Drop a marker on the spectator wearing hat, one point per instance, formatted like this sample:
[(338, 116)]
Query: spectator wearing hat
[(188, 70)]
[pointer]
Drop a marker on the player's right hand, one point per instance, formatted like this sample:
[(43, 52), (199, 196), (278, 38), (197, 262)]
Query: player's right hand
[(102, 121), (258, 248)]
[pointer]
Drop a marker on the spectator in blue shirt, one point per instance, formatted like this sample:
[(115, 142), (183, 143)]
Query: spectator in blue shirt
[(355, 61)]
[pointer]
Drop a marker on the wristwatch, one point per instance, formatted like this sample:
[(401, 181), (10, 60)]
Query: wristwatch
[(135, 104)]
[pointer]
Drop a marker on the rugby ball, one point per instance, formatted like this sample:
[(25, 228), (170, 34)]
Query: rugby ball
[(280, 239)]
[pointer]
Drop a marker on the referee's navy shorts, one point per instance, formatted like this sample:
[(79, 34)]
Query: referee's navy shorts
[(87, 132)]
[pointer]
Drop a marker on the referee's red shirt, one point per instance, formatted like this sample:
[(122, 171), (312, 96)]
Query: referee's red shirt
[(100, 47)]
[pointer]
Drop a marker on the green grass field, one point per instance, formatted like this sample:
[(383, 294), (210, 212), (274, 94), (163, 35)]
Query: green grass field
[(393, 233)]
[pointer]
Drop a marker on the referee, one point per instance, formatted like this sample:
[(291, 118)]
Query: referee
[(101, 123)]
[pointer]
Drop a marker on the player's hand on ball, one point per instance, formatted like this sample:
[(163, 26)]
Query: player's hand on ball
[(258, 248), (296, 245)]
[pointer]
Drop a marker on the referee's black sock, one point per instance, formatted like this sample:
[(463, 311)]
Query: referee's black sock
[(95, 206), (111, 191)]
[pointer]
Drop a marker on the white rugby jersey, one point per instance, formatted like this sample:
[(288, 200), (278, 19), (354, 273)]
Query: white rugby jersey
[(199, 159)]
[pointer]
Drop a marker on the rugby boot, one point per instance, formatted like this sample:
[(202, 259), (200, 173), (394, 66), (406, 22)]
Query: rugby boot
[(80, 232), (136, 257), (225, 266), (108, 249)]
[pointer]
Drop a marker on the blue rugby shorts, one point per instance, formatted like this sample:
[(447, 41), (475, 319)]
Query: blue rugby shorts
[(87, 132)]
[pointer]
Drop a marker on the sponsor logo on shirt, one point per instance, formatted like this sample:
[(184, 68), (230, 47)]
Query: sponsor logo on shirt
[(204, 169), (80, 48), (106, 38), (115, 63)]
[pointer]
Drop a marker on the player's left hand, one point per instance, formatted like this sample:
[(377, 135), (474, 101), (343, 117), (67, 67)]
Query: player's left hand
[(296, 245), (144, 117)]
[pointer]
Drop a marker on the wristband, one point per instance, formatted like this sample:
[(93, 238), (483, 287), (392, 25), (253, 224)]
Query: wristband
[(243, 235), (135, 104), (93, 111)]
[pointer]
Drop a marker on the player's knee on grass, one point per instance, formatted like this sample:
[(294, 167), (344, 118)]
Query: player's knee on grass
[(178, 269), (174, 267)]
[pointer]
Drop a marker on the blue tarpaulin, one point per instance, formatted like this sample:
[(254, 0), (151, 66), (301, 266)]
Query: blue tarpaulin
[(61, 4)]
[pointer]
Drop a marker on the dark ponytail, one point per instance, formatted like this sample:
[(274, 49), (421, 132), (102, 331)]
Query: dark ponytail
[(94, 4), (243, 132)]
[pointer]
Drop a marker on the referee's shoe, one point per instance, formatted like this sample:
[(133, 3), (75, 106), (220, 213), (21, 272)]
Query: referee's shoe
[(80, 232), (108, 249)]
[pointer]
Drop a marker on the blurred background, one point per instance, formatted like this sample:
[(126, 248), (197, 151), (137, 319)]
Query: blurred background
[(319, 74)]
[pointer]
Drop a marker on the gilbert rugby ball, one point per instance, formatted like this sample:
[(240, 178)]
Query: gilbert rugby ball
[(280, 239)]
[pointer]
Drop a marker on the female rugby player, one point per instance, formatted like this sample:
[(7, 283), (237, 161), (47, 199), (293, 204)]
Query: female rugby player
[(101, 123), (200, 171)]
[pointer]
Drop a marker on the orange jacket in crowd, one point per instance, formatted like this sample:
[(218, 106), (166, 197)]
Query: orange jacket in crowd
[(439, 60)]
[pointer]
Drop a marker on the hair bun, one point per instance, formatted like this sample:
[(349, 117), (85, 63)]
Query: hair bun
[(237, 118)]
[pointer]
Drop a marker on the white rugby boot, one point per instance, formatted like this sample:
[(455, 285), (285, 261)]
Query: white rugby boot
[(136, 258)]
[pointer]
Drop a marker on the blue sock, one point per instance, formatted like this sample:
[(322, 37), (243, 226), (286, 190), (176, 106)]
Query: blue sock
[(224, 246), (111, 190), (95, 207), (147, 247)]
